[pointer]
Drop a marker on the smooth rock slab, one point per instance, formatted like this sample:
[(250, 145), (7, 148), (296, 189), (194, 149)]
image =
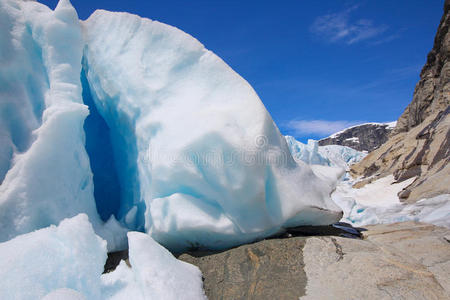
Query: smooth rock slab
[(270, 269), (398, 261)]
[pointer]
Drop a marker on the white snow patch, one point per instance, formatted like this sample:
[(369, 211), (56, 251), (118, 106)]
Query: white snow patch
[(382, 192), (64, 294), (353, 139), (378, 202), (389, 125)]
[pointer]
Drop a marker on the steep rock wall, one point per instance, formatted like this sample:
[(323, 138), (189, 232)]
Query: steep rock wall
[(419, 145)]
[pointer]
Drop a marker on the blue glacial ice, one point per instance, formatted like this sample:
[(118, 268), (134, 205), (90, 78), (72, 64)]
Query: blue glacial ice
[(330, 163), (330, 155), (133, 121), (199, 159), (47, 176)]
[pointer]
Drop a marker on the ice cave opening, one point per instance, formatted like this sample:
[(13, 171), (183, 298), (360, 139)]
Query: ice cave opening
[(101, 157)]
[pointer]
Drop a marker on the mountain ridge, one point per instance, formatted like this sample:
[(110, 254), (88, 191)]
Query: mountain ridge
[(362, 137)]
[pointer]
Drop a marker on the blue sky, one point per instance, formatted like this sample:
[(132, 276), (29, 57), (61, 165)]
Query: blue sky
[(318, 66)]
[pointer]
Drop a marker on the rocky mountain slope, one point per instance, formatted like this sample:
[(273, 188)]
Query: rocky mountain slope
[(364, 137), (419, 146)]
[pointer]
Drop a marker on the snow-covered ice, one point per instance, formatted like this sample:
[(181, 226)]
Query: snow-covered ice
[(154, 274), (64, 294), (382, 192), (69, 256), (66, 262), (377, 202), (308, 153), (329, 163), (48, 176), (330, 155)]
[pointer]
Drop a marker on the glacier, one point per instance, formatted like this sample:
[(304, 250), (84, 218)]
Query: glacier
[(195, 169), (330, 155), (136, 124), (330, 163)]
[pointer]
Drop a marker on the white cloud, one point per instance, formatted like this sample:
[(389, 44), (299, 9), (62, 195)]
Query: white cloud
[(318, 127), (386, 39), (339, 27)]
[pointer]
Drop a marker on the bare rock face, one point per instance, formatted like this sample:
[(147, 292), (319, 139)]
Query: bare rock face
[(422, 152), (432, 92), (270, 269), (392, 262), (364, 137), (419, 146)]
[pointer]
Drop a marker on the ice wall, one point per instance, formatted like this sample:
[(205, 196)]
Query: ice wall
[(23, 82), (308, 153), (330, 155), (47, 175), (176, 143), (194, 145)]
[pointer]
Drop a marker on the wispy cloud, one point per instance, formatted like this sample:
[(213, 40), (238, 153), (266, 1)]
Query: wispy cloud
[(340, 27), (408, 71), (318, 127), (384, 40)]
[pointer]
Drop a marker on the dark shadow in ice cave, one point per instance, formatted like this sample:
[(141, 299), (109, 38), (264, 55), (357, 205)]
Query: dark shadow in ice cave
[(100, 151)]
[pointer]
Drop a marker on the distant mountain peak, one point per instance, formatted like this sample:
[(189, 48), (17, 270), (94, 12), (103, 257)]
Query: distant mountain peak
[(362, 137)]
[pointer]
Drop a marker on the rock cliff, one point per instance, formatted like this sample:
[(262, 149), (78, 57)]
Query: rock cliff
[(419, 145), (432, 92)]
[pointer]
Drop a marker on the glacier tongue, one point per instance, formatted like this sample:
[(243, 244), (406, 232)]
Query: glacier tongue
[(184, 148), (330, 155)]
